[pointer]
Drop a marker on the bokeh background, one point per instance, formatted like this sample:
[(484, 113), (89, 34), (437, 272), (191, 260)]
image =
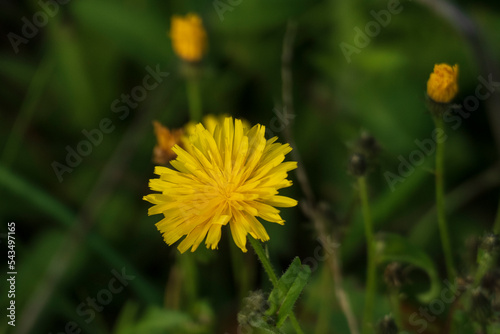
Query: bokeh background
[(71, 234)]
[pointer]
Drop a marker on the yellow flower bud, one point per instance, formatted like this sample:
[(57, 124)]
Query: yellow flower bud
[(189, 38), (442, 84)]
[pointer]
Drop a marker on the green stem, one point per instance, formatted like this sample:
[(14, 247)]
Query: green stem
[(194, 98), (27, 110), (189, 274), (440, 204), (323, 320), (496, 226), (371, 279), (394, 301), (259, 250), (295, 323), (240, 270), (261, 254)]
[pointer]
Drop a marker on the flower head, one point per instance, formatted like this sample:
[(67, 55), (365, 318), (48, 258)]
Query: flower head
[(189, 38), (442, 84), (166, 140), (228, 175)]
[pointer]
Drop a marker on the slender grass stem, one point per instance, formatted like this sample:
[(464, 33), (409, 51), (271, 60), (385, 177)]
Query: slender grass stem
[(259, 250), (440, 204), (194, 98), (394, 301), (295, 323), (189, 274), (27, 110), (241, 271), (496, 226), (371, 279)]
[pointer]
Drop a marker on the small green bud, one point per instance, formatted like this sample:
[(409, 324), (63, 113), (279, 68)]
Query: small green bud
[(357, 164), (490, 242), (368, 145), (481, 310), (394, 275)]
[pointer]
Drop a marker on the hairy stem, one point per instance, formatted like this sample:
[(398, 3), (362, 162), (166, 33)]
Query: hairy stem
[(259, 250)]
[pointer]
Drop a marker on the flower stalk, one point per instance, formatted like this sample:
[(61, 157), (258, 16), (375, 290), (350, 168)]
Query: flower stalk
[(371, 279), (259, 250), (496, 225), (194, 99), (442, 87), (440, 203)]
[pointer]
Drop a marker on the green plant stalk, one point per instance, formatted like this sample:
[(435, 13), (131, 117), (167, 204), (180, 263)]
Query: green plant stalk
[(259, 250), (371, 279), (323, 320), (485, 261), (241, 270), (440, 204), (394, 301), (27, 110), (189, 274), (194, 98), (496, 226)]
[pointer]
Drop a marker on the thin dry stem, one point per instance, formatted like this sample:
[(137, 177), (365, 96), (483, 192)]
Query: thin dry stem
[(311, 209)]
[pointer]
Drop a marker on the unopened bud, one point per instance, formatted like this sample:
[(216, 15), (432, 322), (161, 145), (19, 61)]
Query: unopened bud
[(481, 310), (357, 164), (394, 275), (387, 326), (490, 242), (368, 145)]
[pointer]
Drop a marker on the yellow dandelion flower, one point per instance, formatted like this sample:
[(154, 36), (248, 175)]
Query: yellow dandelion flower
[(442, 85), (189, 38), (228, 175), (166, 140)]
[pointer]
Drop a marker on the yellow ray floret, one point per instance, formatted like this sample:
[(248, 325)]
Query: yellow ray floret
[(229, 175)]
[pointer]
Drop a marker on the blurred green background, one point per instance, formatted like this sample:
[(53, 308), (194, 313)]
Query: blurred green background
[(71, 235)]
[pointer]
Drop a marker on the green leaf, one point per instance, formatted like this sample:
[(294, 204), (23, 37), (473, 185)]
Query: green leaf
[(290, 285), (393, 247)]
